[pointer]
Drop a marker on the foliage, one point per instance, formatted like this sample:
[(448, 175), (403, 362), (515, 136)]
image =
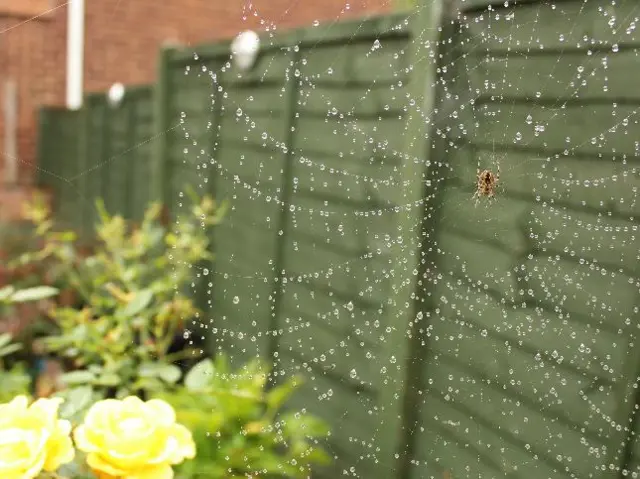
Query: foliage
[(15, 380), (237, 427), (9, 295), (117, 345), (131, 284)]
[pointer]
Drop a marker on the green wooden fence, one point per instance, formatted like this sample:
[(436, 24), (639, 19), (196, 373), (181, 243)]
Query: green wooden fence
[(99, 151), (440, 340), (115, 153), (525, 376), (58, 156)]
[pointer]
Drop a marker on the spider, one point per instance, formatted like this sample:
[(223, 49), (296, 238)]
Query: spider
[(486, 183)]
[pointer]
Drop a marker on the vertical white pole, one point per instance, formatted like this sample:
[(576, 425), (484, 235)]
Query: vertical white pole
[(10, 132), (75, 53)]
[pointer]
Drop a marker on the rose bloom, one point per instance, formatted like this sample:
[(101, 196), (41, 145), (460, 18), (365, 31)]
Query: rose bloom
[(32, 438), (132, 439)]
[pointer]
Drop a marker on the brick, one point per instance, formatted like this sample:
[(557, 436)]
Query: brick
[(122, 38), (24, 8)]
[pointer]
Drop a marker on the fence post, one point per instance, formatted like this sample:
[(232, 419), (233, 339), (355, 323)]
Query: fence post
[(106, 153), (86, 217), (290, 96), (405, 250), (161, 97), (131, 104), (42, 152), (622, 447), (214, 146)]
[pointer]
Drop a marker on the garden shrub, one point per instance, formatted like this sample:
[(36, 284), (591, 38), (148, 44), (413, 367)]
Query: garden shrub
[(116, 343)]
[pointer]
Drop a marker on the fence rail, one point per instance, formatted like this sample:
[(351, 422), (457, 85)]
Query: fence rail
[(442, 339)]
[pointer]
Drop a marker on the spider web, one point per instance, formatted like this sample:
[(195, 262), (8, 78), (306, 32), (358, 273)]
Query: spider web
[(509, 345), (542, 186)]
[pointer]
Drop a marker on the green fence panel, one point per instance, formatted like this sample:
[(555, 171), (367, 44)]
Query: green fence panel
[(634, 463), (215, 144), (117, 150), (46, 160), (117, 162), (58, 161), (94, 156), (188, 108), (331, 313), (525, 376), (252, 162), (140, 150), (255, 136)]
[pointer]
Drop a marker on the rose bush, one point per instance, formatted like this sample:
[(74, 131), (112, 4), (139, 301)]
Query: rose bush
[(132, 439), (32, 438)]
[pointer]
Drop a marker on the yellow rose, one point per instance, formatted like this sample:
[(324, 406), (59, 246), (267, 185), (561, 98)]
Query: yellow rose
[(32, 438), (132, 439)]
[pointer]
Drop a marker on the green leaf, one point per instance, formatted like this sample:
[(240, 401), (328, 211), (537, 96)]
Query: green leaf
[(200, 375), (6, 292), (140, 301), (95, 369), (65, 236), (108, 379), (123, 393), (5, 339), (102, 211), (278, 395), (76, 400), (169, 373), (78, 377), (298, 426), (33, 294), (10, 349)]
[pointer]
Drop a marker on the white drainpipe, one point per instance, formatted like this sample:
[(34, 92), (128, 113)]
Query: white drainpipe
[(75, 53)]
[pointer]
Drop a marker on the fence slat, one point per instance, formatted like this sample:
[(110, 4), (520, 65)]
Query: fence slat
[(405, 247), (160, 173), (291, 93)]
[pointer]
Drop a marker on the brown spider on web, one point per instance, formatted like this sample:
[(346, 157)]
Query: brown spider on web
[(486, 183)]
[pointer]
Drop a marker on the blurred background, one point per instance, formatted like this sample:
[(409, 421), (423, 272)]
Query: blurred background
[(369, 238)]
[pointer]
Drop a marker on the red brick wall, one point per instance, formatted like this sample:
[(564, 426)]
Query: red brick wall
[(122, 38), (32, 53), (25, 8)]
